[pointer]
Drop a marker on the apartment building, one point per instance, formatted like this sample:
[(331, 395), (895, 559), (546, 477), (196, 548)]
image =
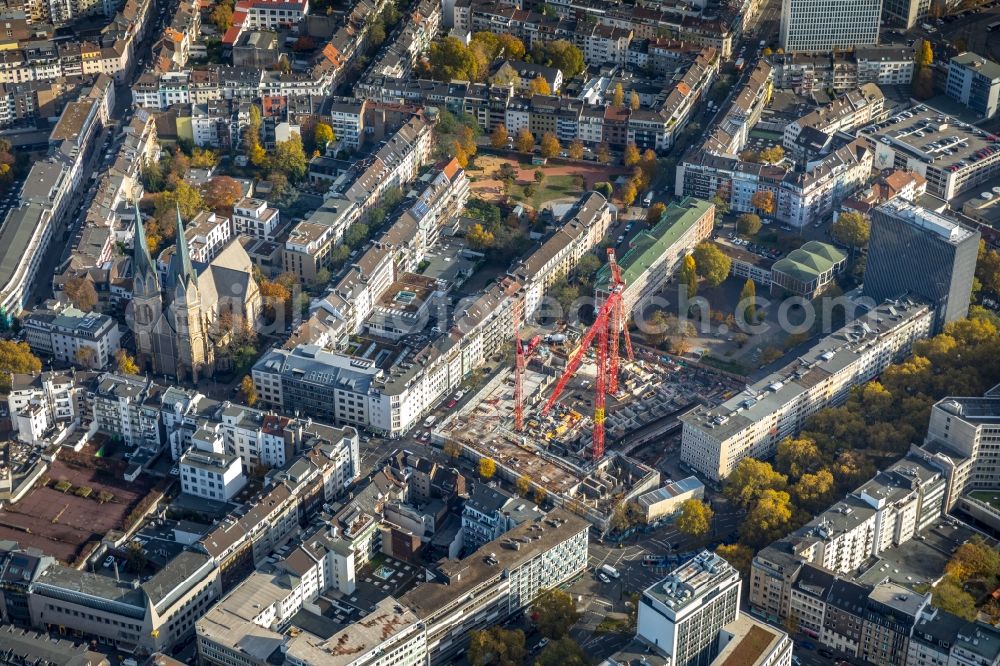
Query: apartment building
[(975, 82), (308, 250), (751, 423), (819, 26), (253, 217), (655, 254), (152, 616), (851, 110), (210, 473), (37, 403), (801, 197), (268, 14), (497, 581), (904, 235), (842, 71), (682, 615), (584, 226), (489, 513), (730, 134), (69, 335), (893, 508), (128, 407)]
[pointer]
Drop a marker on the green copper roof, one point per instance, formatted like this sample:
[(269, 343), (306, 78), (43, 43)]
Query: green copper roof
[(809, 261), (649, 245)]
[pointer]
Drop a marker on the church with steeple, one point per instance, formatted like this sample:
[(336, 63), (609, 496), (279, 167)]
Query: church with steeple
[(179, 325)]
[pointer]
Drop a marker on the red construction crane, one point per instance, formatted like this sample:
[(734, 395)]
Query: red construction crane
[(608, 325), (522, 352)]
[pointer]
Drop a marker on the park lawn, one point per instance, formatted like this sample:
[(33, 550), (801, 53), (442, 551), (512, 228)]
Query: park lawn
[(553, 187)]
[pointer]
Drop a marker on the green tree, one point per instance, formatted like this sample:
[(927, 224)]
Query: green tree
[(496, 645), (948, 595), (712, 264), (565, 56), (748, 299), (851, 229), (721, 206), (290, 158), (988, 268), (604, 188), (695, 518), (750, 480), (563, 652), (451, 59), (584, 270), (184, 198), (554, 612), (748, 224), (355, 235), (689, 275), (768, 519)]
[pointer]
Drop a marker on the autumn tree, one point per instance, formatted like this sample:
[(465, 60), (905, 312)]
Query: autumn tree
[(763, 200), (576, 149), (772, 155), (523, 485), (604, 153), (988, 268), (712, 264), (655, 212), (688, 275), (322, 134), (487, 468), (812, 492), (126, 364), (627, 193), (748, 224), (222, 15), (925, 54), (525, 141), (248, 391), (479, 238), (563, 652), (498, 139), (695, 518), (852, 229), (618, 97), (768, 519), (81, 293), (549, 145), (554, 612), (184, 198), (498, 646), (738, 555), (203, 159), (539, 86), (452, 449), (634, 102), (251, 137), (750, 480), (797, 455), (222, 193), (631, 155)]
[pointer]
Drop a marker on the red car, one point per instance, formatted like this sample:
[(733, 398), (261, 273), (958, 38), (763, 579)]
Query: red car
[(451, 403)]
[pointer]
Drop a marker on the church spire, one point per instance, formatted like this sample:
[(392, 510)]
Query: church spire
[(143, 267), (183, 272)]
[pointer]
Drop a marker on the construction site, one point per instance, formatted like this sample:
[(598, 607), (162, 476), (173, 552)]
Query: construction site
[(568, 414)]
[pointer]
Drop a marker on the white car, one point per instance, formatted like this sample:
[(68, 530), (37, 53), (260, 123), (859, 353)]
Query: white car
[(110, 560), (604, 579)]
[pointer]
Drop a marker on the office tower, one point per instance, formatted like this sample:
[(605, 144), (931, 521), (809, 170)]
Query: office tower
[(822, 25), (906, 13), (682, 615), (975, 82), (917, 251)]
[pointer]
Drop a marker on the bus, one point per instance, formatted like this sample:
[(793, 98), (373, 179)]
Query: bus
[(993, 26)]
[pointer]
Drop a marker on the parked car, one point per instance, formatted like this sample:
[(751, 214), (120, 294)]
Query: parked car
[(604, 579), (109, 561)]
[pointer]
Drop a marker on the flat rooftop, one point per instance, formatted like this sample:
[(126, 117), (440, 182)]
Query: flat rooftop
[(918, 561), (688, 583), (933, 137), (751, 641), (920, 217), (533, 537)]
